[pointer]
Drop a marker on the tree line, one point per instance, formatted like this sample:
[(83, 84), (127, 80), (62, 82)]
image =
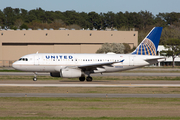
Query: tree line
[(14, 18)]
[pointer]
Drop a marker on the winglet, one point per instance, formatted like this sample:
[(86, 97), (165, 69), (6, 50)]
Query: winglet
[(150, 43)]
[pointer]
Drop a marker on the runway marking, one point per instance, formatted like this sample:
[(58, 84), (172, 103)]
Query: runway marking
[(91, 85)]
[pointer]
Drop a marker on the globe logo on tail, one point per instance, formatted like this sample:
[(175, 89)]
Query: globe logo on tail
[(147, 47)]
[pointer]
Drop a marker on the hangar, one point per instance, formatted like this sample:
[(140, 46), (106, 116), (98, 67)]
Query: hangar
[(16, 43)]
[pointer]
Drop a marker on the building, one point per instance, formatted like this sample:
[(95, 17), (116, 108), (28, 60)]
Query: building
[(16, 43), (168, 61)]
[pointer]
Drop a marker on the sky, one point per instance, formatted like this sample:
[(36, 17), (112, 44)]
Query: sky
[(153, 6)]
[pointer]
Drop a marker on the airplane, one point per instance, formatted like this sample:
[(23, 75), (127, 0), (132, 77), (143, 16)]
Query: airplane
[(69, 65)]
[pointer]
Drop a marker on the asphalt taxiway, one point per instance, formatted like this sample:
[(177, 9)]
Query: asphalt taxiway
[(91, 95)]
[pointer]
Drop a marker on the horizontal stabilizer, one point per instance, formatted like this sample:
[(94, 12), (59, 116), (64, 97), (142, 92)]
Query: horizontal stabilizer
[(156, 58)]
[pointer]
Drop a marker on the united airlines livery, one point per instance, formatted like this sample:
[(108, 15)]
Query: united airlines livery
[(81, 65)]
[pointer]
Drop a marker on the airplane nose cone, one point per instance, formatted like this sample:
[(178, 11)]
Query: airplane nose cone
[(14, 65)]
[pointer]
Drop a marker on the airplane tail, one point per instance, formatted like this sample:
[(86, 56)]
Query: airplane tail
[(150, 43)]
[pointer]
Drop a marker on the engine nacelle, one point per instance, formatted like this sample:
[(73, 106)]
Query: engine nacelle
[(70, 73), (55, 74)]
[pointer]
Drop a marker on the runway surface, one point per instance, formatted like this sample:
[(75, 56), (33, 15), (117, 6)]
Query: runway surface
[(104, 74), (90, 85), (92, 95)]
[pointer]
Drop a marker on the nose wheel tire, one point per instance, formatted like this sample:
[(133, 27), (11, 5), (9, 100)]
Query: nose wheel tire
[(35, 75), (89, 79), (34, 79)]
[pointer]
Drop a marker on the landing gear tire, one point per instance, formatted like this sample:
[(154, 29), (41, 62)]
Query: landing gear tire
[(35, 75), (81, 78), (89, 79), (34, 79)]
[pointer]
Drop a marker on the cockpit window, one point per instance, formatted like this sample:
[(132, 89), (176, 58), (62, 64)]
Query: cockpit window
[(23, 59)]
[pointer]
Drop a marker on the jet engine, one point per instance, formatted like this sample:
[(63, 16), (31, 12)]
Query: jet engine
[(70, 73), (67, 72)]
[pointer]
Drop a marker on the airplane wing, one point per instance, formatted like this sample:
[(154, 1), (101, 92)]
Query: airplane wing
[(89, 67), (100, 65), (97, 64)]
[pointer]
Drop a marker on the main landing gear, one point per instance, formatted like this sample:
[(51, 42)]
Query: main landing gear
[(82, 79), (88, 79)]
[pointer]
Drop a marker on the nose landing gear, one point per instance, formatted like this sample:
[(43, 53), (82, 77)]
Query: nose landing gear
[(35, 74), (34, 79)]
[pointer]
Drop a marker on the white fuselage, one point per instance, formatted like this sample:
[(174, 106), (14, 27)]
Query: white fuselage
[(47, 62)]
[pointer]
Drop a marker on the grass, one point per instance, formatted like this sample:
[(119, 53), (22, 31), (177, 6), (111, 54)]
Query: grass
[(89, 108), (9, 70), (90, 118), (107, 90)]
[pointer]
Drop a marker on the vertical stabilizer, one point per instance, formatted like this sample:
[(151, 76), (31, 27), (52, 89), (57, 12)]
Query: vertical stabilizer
[(150, 43)]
